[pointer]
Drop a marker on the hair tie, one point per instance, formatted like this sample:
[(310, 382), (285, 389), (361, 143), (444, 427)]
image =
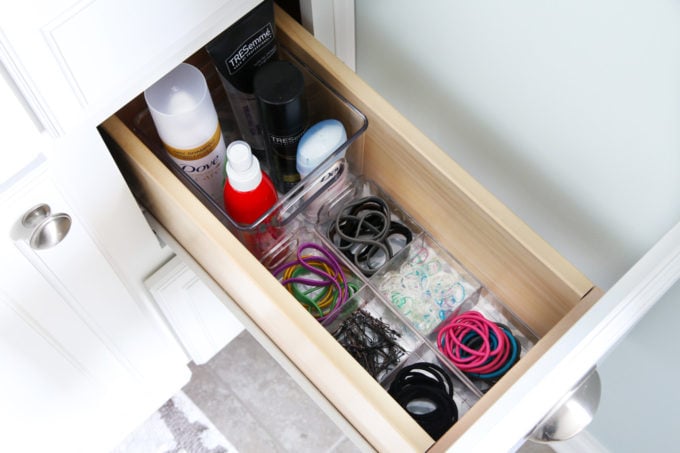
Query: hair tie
[(425, 288), (480, 348), (365, 233), (424, 386), (317, 281)]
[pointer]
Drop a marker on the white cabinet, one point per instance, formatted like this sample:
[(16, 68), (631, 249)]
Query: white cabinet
[(83, 362), (76, 64), (86, 357), (80, 60)]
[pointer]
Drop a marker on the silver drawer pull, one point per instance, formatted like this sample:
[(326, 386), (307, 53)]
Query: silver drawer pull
[(573, 414), (48, 229)]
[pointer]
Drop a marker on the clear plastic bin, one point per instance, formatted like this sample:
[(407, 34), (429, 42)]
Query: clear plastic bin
[(379, 350), (318, 279), (323, 103), (380, 227), (425, 284), (489, 306)]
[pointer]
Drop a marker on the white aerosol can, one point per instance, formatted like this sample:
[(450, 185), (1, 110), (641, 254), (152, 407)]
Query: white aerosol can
[(185, 118)]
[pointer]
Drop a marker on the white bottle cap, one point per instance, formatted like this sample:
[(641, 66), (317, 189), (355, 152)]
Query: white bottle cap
[(181, 107), (317, 143), (243, 169)]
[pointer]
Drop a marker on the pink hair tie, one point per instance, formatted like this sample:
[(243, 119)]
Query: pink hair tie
[(474, 344)]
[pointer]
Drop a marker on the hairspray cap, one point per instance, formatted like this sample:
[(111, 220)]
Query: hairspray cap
[(181, 107)]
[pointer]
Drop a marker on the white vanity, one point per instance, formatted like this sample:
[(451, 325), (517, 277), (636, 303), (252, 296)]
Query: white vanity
[(90, 357)]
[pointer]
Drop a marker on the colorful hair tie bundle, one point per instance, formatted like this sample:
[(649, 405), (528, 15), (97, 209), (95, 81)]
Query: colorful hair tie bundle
[(425, 288), (425, 391), (479, 347), (364, 231), (317, 281)]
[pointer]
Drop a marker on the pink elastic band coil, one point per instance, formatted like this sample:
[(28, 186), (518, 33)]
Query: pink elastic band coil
[(489, 353)]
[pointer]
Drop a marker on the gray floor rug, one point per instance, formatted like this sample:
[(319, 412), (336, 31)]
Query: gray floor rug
[(177, 427)]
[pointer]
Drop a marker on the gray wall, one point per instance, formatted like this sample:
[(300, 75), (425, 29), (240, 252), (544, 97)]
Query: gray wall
[(569, 112)]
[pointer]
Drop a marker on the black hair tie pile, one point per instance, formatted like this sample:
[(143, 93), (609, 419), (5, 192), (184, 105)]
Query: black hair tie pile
[(424, 386), (362, 232)]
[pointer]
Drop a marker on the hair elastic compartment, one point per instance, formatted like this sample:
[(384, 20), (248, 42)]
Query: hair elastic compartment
[(317, 281), (365, 233), (480, 348), (425, 391)]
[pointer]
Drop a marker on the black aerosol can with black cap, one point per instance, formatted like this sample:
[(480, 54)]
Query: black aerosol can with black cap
[(279, 87)]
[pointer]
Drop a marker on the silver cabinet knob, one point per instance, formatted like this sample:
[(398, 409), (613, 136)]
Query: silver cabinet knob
[(573, 414), (48, 229), (35, 215)]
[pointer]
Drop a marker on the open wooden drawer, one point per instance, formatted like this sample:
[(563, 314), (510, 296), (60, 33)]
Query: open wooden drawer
[(526, 274)]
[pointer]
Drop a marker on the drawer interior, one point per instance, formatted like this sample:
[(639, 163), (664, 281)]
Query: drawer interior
[(511, 273)]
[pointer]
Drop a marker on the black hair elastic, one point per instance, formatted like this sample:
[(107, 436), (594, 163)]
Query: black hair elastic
[(425, 391), (362, 231)]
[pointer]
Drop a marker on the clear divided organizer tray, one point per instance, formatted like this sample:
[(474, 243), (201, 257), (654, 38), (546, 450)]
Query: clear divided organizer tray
[(410, 287), (402, 288)]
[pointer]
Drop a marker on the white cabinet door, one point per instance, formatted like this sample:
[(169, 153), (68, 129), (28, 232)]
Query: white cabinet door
[(83, 364), (74, 60)]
